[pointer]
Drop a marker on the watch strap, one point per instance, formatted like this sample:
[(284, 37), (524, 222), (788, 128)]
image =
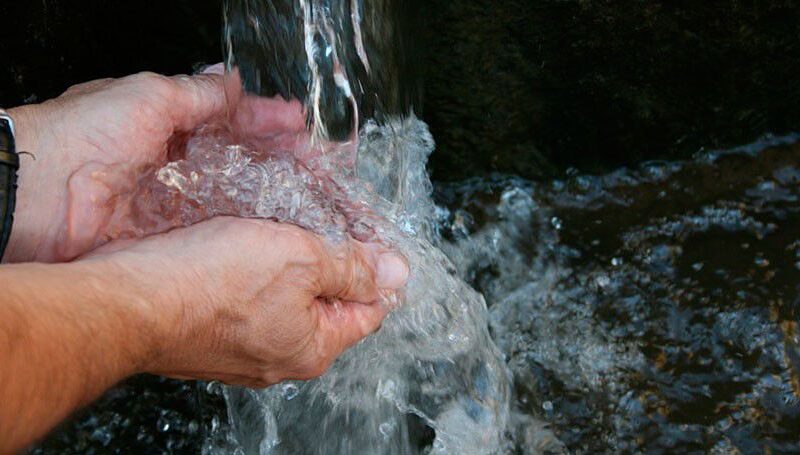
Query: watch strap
[(9, 164)]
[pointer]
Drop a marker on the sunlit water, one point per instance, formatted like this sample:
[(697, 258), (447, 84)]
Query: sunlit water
[(653, 308)]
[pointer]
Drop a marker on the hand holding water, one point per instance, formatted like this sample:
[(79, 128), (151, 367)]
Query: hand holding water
[(253, 302), (247, 302), (87, 149)]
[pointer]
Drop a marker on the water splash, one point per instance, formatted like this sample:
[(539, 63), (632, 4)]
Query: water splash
[(433, 359), (658, 312), (433, 364)]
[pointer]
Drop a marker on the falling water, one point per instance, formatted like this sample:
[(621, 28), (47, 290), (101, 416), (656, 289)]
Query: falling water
[(431, 378), (433, 364)]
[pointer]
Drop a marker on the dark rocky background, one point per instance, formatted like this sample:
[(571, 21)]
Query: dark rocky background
[(48, 45), (515, 86), (521, 85)]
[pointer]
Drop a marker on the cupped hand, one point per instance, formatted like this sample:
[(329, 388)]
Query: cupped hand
[(88, 148), (253, 302)]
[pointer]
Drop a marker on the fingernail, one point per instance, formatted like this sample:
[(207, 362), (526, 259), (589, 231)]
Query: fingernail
[(392, 271)]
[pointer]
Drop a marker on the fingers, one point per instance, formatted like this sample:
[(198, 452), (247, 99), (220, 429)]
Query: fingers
[(258, 117), (264, 117), (197, 99), (347, 323), (356, 272)]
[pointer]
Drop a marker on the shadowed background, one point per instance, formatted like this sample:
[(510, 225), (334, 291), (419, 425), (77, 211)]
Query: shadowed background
[(522, 87)]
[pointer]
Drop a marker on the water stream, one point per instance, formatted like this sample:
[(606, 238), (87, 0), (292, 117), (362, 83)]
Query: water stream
[(433, 362), (649, 309)]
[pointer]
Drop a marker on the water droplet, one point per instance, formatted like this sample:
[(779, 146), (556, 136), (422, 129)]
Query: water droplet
[(102, 435), (547, 406), (603, 281), (556, 222), (697, 266), (213, 387), (290, 391), (163, 424), (616, 262), (769, 185), (386, 429), (387, 389)]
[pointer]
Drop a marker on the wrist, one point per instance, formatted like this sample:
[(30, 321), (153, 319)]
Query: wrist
[(71, 332), (150, 309), (131, 310)]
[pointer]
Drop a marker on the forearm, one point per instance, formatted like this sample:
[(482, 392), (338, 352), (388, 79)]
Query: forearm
[(67, 333)]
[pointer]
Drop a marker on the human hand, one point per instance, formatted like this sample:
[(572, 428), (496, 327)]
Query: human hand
[(92, 144), (252, 302)]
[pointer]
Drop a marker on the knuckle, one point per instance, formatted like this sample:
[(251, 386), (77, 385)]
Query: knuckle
[(86, 87), (154, 81)]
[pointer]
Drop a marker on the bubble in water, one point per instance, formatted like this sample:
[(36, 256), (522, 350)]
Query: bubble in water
[(433, 356), (213, 388), (102, 435), (386, 429), (163, 424), (290, 391)]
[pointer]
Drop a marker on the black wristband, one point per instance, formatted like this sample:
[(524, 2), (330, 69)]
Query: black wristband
[(9, 164)]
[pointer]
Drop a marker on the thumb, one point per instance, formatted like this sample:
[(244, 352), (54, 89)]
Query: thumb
[(357, 272), (345, 324), (197, 99)]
